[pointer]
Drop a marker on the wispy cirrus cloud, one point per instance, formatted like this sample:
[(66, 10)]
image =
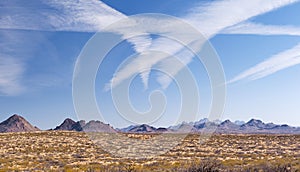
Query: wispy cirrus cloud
[(261, 29), (10, 72), (274, 64), (144, 62), (12, 61), (69, 15), (53, 16), (92, 16), (210, 19)]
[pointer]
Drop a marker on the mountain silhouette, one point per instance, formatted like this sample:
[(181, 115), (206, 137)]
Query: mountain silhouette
[(70, 125), (97, 126), (16, 123), (92, 126)]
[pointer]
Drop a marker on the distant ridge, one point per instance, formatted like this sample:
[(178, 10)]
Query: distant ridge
[(92, 126), (144, 128), (253, 126), (16, 123), (98, 126)]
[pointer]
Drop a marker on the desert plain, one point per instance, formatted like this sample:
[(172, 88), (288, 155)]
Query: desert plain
[(76, 151)]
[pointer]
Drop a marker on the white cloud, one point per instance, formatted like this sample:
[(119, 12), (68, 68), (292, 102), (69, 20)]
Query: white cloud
[(10, 72), (68, 15), (213, 17), (12, 64), (143, 63), (274, 64), (209, 19), (54, 15), (260, 29), (94, 15)]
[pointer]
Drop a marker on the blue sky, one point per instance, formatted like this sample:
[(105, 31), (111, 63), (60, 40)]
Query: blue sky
[(257, 42)]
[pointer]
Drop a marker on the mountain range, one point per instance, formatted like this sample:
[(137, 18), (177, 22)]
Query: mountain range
[(17, 123), (91, 126)]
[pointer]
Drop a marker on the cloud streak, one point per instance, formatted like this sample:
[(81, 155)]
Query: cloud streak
[(10, 72), (261, 29), (12, 56), (53, 16), (91, 16), (210, 19), (69, 15), (274, 64)]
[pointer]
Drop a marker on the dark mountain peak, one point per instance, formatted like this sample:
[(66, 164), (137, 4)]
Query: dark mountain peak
[(68, 120), (254, 121), (146, 126), (16, 123), (226, 127), (14, 118), (68, 124), (204, 120), (142, 128), (284, 125), (226, 122)]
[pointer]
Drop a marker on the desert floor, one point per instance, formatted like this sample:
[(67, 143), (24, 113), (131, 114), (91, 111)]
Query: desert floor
[(78, 151)]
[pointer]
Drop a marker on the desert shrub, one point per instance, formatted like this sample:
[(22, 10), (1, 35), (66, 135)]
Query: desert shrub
[(271, 168), (205, 166), (122, 168), (201, 166), (127, 168)]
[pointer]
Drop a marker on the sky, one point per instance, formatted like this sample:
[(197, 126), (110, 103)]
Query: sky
[(257, 42)]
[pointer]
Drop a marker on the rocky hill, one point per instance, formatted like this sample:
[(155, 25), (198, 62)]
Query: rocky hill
[(70, 125), (144, 128), (16, 123), (98, 126), (92, 126)]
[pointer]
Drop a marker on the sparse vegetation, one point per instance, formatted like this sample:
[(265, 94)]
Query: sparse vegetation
[(73, 151)]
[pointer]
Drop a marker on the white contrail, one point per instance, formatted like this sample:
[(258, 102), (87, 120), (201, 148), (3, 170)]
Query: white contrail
[(209, 19), (260, 29), (277, 62)]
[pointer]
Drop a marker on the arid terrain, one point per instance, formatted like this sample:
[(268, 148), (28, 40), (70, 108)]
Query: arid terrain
[(74, 151)]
